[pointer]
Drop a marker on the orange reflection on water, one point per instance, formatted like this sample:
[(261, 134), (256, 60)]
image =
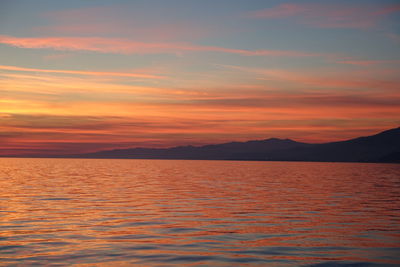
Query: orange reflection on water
[(220, 213)]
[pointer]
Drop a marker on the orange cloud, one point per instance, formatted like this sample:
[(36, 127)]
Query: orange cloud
[(52, 113), (329, 15), (94, 87), (83, 133), (62, 128), (125, 46)]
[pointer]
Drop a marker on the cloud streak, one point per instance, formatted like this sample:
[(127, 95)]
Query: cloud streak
[(329, 15), (343, 81), (126, 46), (78, 72), (144, 116), (88, 77), (367, 63)]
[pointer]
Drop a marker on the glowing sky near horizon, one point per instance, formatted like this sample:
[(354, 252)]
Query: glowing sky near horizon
[(80, 76)]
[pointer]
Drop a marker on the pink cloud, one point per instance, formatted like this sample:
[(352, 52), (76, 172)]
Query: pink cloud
[(126, 46), (330, 15)]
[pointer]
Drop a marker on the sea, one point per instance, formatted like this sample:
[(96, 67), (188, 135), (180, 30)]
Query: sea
[(128, 212)]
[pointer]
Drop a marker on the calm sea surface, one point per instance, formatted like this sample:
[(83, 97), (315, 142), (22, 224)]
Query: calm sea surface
[(94, 212)]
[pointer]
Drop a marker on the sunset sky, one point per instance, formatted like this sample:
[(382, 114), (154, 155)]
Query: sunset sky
[(80, 76)]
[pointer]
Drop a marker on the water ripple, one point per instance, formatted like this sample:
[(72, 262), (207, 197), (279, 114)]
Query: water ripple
[(198, 213)]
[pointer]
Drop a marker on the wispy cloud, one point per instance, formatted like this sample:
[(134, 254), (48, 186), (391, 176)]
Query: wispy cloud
[(67, 114), (341, 81), (366, 63), (62, 127), (329, 15), (80, 72), (126, 46)]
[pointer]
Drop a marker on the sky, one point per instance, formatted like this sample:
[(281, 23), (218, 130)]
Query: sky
[(81, 76)]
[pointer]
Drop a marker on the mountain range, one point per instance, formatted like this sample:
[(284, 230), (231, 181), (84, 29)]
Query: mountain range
[(382, 147)]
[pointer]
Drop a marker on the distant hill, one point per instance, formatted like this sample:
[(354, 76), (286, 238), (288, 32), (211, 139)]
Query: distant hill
[(232, 150), (382, 147)]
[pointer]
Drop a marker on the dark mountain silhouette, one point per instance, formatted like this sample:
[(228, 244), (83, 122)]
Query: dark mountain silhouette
[(230, 150), (382, 147)]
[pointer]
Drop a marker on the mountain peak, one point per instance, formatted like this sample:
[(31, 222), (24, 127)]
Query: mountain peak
[(381, 147), (274, 139)]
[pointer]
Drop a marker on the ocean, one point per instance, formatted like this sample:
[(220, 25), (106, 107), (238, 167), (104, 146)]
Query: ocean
[(109, 212)]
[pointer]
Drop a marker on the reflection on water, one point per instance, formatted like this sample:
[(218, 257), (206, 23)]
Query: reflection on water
[(189, 213)]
